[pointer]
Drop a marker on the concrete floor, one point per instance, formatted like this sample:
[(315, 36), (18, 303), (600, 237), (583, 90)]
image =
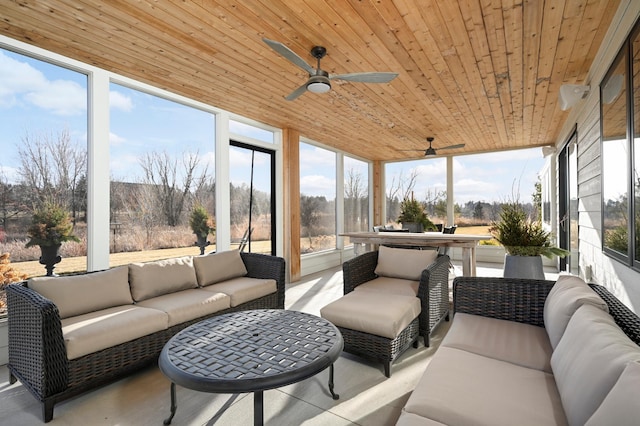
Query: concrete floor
[(366, 396)]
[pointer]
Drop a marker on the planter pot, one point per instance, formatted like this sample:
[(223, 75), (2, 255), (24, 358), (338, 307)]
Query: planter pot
[(49, 257), (413, 226), (523, 267), (202, 242)]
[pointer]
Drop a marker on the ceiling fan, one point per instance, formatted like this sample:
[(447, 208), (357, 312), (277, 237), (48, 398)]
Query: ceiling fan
[(432, 151), (319, 80)]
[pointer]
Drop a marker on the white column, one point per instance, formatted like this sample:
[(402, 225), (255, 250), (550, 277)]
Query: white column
[(98, 173), (223, 196), (450, 209)]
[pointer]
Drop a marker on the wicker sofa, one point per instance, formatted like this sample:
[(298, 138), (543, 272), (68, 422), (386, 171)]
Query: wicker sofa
[(391, 296), (532, 352), (73, 333)]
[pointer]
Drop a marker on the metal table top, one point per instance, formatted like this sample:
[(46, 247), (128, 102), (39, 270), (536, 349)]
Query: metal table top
[(250, 351)]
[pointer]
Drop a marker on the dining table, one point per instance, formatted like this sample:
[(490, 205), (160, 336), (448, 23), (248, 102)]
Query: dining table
[(468, 243)]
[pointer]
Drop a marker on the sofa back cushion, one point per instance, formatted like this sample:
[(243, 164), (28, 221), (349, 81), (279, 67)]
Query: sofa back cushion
[(217, 267), (407, 264), (589, 360), (153, 279), (81, 294), (566, 296), (620, 406)]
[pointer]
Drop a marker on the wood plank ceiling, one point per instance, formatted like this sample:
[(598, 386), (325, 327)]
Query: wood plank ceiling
[(479, 72)]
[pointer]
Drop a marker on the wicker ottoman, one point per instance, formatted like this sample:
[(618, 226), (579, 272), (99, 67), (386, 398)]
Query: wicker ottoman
[(375, 325)]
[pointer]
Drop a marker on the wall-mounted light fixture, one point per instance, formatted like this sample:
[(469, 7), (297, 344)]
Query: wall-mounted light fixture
[(570, 94)]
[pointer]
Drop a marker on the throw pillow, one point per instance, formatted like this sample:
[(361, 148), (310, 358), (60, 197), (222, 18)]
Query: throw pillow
[(620, 406), (566, 296), (588, 361), (81, 294), (153, 279), (217, 267), (407, 264)]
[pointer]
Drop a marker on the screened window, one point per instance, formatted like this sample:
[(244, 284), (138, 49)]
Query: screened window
[(617, 162), (162, 169), (317, 199), (356, 195)]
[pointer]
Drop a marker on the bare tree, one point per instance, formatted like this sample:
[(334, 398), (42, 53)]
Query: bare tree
[(54, 169), (354, 193), (161, 172), (399, 190)]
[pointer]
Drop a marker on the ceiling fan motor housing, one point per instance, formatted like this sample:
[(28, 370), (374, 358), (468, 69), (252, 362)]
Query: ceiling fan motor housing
[(319, 83)]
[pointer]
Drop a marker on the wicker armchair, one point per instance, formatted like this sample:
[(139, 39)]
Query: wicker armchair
[(433, 290)]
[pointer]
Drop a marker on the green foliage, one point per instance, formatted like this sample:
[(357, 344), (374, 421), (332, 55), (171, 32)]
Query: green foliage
[(50, 226), (412, 211), (521, 236), (200, 222)]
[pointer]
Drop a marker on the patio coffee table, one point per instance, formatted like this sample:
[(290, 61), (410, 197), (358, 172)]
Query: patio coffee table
[(250, 351)]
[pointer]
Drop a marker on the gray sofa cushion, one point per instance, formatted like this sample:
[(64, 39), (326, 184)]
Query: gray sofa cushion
[(372, 312), (566, 296), (217, 267), (466, 389), (399, 286), (92, 332), (80, 294), (620, 407), (244, 289), (403, 263), (187, 305), (589, 360), (153, 279), (518, 343)]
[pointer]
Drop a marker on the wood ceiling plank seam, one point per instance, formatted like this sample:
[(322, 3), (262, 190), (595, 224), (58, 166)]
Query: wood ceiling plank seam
[(532, 23), (596, 14), (513, 36), (544, 109), (431, 58), (445, 43), (389, 27), (477, 32)]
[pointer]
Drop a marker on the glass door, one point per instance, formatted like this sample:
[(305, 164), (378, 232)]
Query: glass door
[(252, 206), (568, 204)]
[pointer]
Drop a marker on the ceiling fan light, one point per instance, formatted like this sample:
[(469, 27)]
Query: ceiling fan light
[(318, 87)]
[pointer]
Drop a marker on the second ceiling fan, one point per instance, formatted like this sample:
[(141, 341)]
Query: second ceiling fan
[(319, 80), (432, 151)]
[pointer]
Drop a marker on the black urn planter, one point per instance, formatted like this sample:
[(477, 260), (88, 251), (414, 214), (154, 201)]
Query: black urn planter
[(202, 242), (49, 257), (523, 267)]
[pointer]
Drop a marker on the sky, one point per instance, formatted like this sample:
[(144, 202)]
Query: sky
[(38, 98)]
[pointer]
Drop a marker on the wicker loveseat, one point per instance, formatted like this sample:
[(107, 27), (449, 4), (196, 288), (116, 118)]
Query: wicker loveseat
[(532, 352), (73, 333)]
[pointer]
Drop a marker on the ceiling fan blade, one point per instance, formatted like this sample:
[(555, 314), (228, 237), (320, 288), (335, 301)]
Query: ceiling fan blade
[(290, 55), (366, 77), (296, 93), (460, 145)]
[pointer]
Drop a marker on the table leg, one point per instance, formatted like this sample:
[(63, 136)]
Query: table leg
[(466, 262), (174, 404), (258, 409), (333, 394)]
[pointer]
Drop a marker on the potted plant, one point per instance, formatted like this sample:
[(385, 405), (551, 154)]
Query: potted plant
[(525, 241), (50, 227), (413, 216), (202, 225)]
